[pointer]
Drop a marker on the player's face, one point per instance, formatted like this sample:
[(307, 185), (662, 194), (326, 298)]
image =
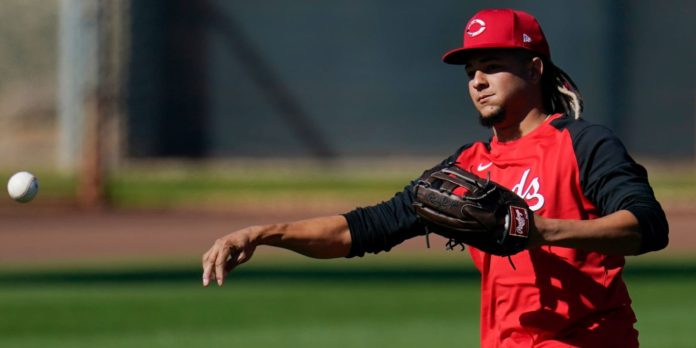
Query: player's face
[(497, 84)]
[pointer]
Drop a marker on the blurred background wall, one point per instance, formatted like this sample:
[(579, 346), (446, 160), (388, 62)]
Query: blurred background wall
[(319, 79)]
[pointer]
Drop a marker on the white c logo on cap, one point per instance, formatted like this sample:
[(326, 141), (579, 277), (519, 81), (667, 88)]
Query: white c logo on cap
[(481, 27)]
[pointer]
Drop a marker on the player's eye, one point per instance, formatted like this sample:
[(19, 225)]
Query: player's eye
[(492, 68)]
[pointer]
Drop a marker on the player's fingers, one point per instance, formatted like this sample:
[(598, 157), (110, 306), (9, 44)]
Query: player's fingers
[(244, 255), (241, 257), (231, 264), (208, 263), (233, 261), (237, 259), (220, 264)]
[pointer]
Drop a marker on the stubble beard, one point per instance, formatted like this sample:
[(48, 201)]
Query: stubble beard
[(493, 119)]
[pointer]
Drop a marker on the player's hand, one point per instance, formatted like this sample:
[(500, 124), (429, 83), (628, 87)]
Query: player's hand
[(227, 253)]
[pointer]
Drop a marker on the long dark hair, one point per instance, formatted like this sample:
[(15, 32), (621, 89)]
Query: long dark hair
[(560, 93)]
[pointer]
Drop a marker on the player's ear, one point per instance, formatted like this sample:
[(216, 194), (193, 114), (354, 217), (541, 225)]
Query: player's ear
[(536, 69)]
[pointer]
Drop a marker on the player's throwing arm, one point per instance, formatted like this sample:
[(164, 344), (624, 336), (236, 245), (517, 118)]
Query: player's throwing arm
[(324, 237)]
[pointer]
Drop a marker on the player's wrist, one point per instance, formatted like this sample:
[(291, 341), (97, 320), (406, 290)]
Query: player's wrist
[(267, 234), (543, 231), (257, 234)]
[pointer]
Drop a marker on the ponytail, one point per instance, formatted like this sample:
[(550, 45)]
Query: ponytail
[(561, 94)]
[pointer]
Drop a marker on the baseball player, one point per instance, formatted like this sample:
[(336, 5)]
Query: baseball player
[(588, 202)]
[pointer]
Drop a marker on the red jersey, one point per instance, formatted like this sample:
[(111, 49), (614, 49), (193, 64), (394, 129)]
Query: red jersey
[(555, 296)]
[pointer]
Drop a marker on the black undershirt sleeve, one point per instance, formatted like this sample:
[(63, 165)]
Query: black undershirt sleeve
[(613, 181), (381, 227)]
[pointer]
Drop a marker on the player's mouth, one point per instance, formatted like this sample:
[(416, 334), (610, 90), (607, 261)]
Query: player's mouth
[(484, 98)]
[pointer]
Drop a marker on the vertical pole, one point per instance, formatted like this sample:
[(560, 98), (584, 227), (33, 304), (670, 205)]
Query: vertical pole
[(90, 191), (79, 114), (91, 174), (72, 42), (91, 61)]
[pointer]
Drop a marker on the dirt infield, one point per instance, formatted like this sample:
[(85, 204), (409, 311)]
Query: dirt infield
[(70, 234)]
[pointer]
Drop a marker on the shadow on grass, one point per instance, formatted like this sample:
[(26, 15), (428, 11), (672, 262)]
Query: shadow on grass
[(269, 274), (304, 274)]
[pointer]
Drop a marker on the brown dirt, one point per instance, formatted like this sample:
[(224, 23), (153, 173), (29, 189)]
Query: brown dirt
[(39, 235)]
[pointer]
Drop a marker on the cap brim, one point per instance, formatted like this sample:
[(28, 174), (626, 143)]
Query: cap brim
[(456, 56)]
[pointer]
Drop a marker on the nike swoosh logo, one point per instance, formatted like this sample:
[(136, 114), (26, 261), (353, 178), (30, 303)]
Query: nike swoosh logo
[(482, 167)]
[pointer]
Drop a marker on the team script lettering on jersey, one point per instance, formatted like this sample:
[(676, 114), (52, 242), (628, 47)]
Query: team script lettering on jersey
[(529, 191)]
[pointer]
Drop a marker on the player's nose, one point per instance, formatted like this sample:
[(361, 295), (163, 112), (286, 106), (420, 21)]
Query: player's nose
[(478, 80)]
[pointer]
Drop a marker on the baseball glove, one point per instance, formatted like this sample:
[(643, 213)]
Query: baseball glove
[(469, 210)]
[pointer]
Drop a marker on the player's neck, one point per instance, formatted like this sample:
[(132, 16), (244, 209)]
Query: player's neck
[(520, 127)]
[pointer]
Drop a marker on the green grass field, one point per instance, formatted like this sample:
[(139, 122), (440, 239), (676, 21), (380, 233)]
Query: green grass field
[(310, 304)]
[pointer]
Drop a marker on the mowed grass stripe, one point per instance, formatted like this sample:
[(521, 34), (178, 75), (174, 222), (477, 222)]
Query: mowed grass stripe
[(294, 269), (254, 314), (291, 313)]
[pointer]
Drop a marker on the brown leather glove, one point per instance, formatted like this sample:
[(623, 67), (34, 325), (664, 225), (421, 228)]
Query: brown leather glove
[(469, 210)]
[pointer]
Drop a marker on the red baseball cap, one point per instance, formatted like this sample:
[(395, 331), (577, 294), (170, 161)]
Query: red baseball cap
[(500, 28)]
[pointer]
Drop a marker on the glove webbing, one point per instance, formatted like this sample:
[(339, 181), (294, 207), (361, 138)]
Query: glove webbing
[(451, 243)]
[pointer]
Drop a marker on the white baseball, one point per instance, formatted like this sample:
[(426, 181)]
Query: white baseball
[(23, 187)]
